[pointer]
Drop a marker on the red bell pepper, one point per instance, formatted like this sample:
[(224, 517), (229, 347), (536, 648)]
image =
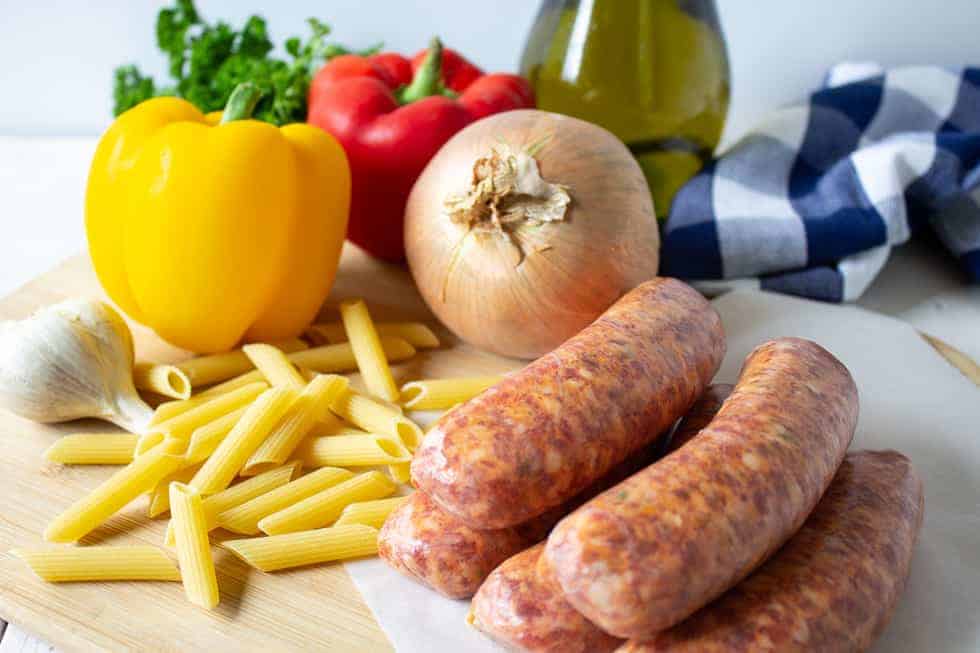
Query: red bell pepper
[(391, 121)]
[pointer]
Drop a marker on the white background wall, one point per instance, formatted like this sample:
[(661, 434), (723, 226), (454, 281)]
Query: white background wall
[(56, 56)]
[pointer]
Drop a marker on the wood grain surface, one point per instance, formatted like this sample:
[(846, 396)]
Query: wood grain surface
[(315, 608)]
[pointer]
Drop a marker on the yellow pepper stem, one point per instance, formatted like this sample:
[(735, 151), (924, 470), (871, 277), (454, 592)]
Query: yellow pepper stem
[(242, 102)]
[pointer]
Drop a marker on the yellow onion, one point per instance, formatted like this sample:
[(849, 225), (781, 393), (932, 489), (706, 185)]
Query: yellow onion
[(525, 227)]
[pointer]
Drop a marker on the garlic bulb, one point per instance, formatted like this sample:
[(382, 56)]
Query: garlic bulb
[(68, 361)]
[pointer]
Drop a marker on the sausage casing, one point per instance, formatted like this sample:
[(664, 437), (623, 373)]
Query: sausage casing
[(700, 415), (430, 545), (525, 610), (650, 551), (542, 435), (426, 543), (834, 586)]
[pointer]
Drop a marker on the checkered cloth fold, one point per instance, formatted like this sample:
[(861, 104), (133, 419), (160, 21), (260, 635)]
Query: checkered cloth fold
[(811, 202)]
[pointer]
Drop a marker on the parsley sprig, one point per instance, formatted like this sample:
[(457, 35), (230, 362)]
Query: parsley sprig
[(207, 61)]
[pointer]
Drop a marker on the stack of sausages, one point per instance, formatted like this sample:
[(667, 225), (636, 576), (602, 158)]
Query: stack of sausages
[(732, 541)]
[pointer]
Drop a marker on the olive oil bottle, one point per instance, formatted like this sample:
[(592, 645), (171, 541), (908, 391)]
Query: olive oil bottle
[(653, 72)]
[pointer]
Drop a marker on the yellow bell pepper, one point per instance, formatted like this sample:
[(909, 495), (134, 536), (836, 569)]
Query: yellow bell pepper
[(213, 233)]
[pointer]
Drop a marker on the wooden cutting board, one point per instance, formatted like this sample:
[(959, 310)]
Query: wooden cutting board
[(308, 609), (316, 608)]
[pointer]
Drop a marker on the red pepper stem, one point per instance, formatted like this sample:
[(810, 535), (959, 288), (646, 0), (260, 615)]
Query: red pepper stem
[(428, 78), (241, 103)]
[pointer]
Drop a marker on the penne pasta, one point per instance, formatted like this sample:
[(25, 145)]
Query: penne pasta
[(163, 379), (370, 513), (245, 518), (160, 495), (66, 564), (325, 506), (182, 425), (134, 479), (250, 488), (205, 370), (306, 547), (93, 449), (205, 439), (340, 357), (309, 409), (331, 358), (274, 365), (241, 493), (401, 472), (146, 442), (414, 333), (375, 417), (368, 352), (353, 451), (441, 394), (244, 438), (173, 408), (193, 546), (333, 425)]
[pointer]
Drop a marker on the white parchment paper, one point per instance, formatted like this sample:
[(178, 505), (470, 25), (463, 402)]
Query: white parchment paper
[(912, 400)]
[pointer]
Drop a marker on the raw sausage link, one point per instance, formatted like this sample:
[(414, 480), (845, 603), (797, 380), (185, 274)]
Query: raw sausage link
[(542, 435), (647, 553), (432, 546), (834, 585), (700, 415), (429, 545), (519, 607), (527, 609)]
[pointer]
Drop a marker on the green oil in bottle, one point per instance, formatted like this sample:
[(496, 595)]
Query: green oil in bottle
[(653, 72)]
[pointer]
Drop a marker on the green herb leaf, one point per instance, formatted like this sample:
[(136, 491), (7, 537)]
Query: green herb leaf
[(207, 61)]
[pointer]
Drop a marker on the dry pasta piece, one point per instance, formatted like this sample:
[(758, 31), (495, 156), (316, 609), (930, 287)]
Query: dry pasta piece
[(245, 518), (163, 379), (93, 449), (66, 564), (274, 365), (340, 357), (375, 417), (306, 547), (148, 441), (170, 409), (441, 394), (369, 513), (325, 506), (353, 451), (251, 488), (330, 424), (414, 333), (241, 493), (330, 358), (255, 425), (367, 348), (205, 439), (309, 409), (160, 495), (205, 370), (401, 472), (193, 547), (134, 479), (182, 425)]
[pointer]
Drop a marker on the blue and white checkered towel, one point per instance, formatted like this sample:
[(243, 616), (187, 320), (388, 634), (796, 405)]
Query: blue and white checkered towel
[(811, 202)]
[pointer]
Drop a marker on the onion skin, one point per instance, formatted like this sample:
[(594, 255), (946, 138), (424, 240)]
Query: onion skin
[(571, 271)]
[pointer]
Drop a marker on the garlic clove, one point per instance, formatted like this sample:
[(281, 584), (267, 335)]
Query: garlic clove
[(71, 360)]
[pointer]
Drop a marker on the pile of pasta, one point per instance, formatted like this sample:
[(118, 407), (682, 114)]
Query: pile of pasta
[(232, 455)]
